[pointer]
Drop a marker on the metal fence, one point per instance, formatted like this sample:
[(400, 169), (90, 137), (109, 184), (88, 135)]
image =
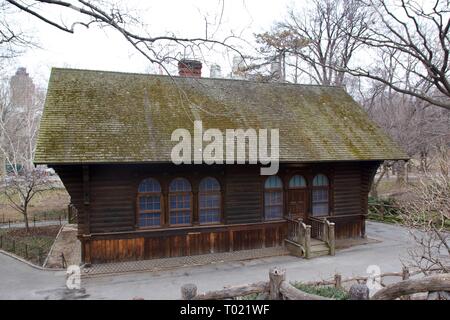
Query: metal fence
[(33, 253)]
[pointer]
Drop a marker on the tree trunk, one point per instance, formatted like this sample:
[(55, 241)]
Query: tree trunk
[(25, 219)]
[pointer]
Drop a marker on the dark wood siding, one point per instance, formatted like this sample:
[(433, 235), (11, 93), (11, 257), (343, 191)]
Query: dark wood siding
[(112, 200), (347, 189), (107, 221), (71, 176), (243, 195)]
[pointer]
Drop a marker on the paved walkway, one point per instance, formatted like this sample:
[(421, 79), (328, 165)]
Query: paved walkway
[(21, 281)]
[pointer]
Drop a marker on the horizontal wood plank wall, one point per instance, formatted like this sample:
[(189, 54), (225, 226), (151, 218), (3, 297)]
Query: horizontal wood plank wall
[(112, 199), (243, 201), (153, 245), (347, 200), (72, 178)]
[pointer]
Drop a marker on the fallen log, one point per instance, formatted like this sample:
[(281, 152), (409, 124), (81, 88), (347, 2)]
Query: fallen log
[(236, 291), (437, 282)]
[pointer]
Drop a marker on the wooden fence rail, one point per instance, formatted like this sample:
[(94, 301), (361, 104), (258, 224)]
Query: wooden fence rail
[(277, 288)]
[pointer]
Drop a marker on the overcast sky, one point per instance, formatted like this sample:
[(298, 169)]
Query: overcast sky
[(104, 49)]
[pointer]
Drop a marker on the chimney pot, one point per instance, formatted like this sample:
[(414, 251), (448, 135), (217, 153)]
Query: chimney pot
[(189, 68)]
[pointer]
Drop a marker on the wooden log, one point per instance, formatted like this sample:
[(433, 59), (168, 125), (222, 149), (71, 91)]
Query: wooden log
[(308, 242), (235, 291), (405, 276), (290, 292), (276, 277), (438, 282), (332, 239), (188, 291), (337, 280)]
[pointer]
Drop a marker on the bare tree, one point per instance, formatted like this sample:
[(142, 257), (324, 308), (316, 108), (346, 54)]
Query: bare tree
[(18, 133), (314, 39), (417, 38), (157, 49), (428, 219)]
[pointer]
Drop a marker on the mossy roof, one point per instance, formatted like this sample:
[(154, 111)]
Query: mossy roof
[(112, 117)]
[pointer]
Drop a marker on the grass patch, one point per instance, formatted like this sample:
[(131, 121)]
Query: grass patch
[(33, 246), (323, 291)]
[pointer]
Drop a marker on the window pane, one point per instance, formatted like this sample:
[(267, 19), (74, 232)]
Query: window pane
[(320, 180), (320, 202), (179, 185), (209, 215), (273, 182), (209, 184), (180, 217), (273, 212), (297, 181), (150, 202), (209, 207), (150, 219), (149, 185)]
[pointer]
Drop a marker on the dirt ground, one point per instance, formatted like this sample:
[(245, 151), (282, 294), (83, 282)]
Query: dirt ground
[(52, 202)]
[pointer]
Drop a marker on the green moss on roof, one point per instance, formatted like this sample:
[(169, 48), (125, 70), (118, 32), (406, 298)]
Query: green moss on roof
[(96, 116)]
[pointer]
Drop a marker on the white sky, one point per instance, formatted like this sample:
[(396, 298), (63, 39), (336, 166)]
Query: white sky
[(107, 50)]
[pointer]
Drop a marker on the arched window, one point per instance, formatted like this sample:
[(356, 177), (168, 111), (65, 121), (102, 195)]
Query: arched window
[(273, 198), (209, 201), (297, 181), (180, 202), (320, 194), (149, 203)]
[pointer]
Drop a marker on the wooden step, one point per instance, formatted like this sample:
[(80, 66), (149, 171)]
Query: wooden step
[(315, 254), (318, 248)]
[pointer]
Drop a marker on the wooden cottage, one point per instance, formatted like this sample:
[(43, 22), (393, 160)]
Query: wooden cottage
[(108, 136)]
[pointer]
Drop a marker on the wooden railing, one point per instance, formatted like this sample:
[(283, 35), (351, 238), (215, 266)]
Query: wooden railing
[(299, 234), (323, 230)]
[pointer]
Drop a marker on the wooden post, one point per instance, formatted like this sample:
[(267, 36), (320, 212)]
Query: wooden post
[(405, 276), (34, 221), (188, 291), (300, 236), (276, 277), (337, 281), (14, 246), (308, 242), (26, 251), (331, 239)]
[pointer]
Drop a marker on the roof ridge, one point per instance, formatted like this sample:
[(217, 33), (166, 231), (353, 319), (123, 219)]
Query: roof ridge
[(202, 78)]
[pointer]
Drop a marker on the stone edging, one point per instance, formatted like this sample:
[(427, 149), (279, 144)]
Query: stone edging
[(53, 245)]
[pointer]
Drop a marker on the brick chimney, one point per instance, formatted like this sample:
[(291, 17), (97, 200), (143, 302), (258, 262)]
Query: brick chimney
[(189, 68)]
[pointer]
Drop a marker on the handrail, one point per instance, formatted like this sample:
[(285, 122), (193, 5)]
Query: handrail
[(300, 233), (324, 230)]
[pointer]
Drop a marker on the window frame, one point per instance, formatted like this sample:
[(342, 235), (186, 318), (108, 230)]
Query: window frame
[(138, 206), (182, 193), (273, 190), (327, 188), (216, 192)]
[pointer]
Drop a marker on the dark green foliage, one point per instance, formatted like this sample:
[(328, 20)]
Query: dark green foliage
[(323, 291)]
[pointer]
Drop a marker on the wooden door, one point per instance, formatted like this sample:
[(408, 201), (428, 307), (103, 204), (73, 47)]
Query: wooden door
[(297, 203)]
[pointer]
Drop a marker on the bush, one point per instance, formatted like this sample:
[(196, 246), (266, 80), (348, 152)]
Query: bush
[(323, 291)]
